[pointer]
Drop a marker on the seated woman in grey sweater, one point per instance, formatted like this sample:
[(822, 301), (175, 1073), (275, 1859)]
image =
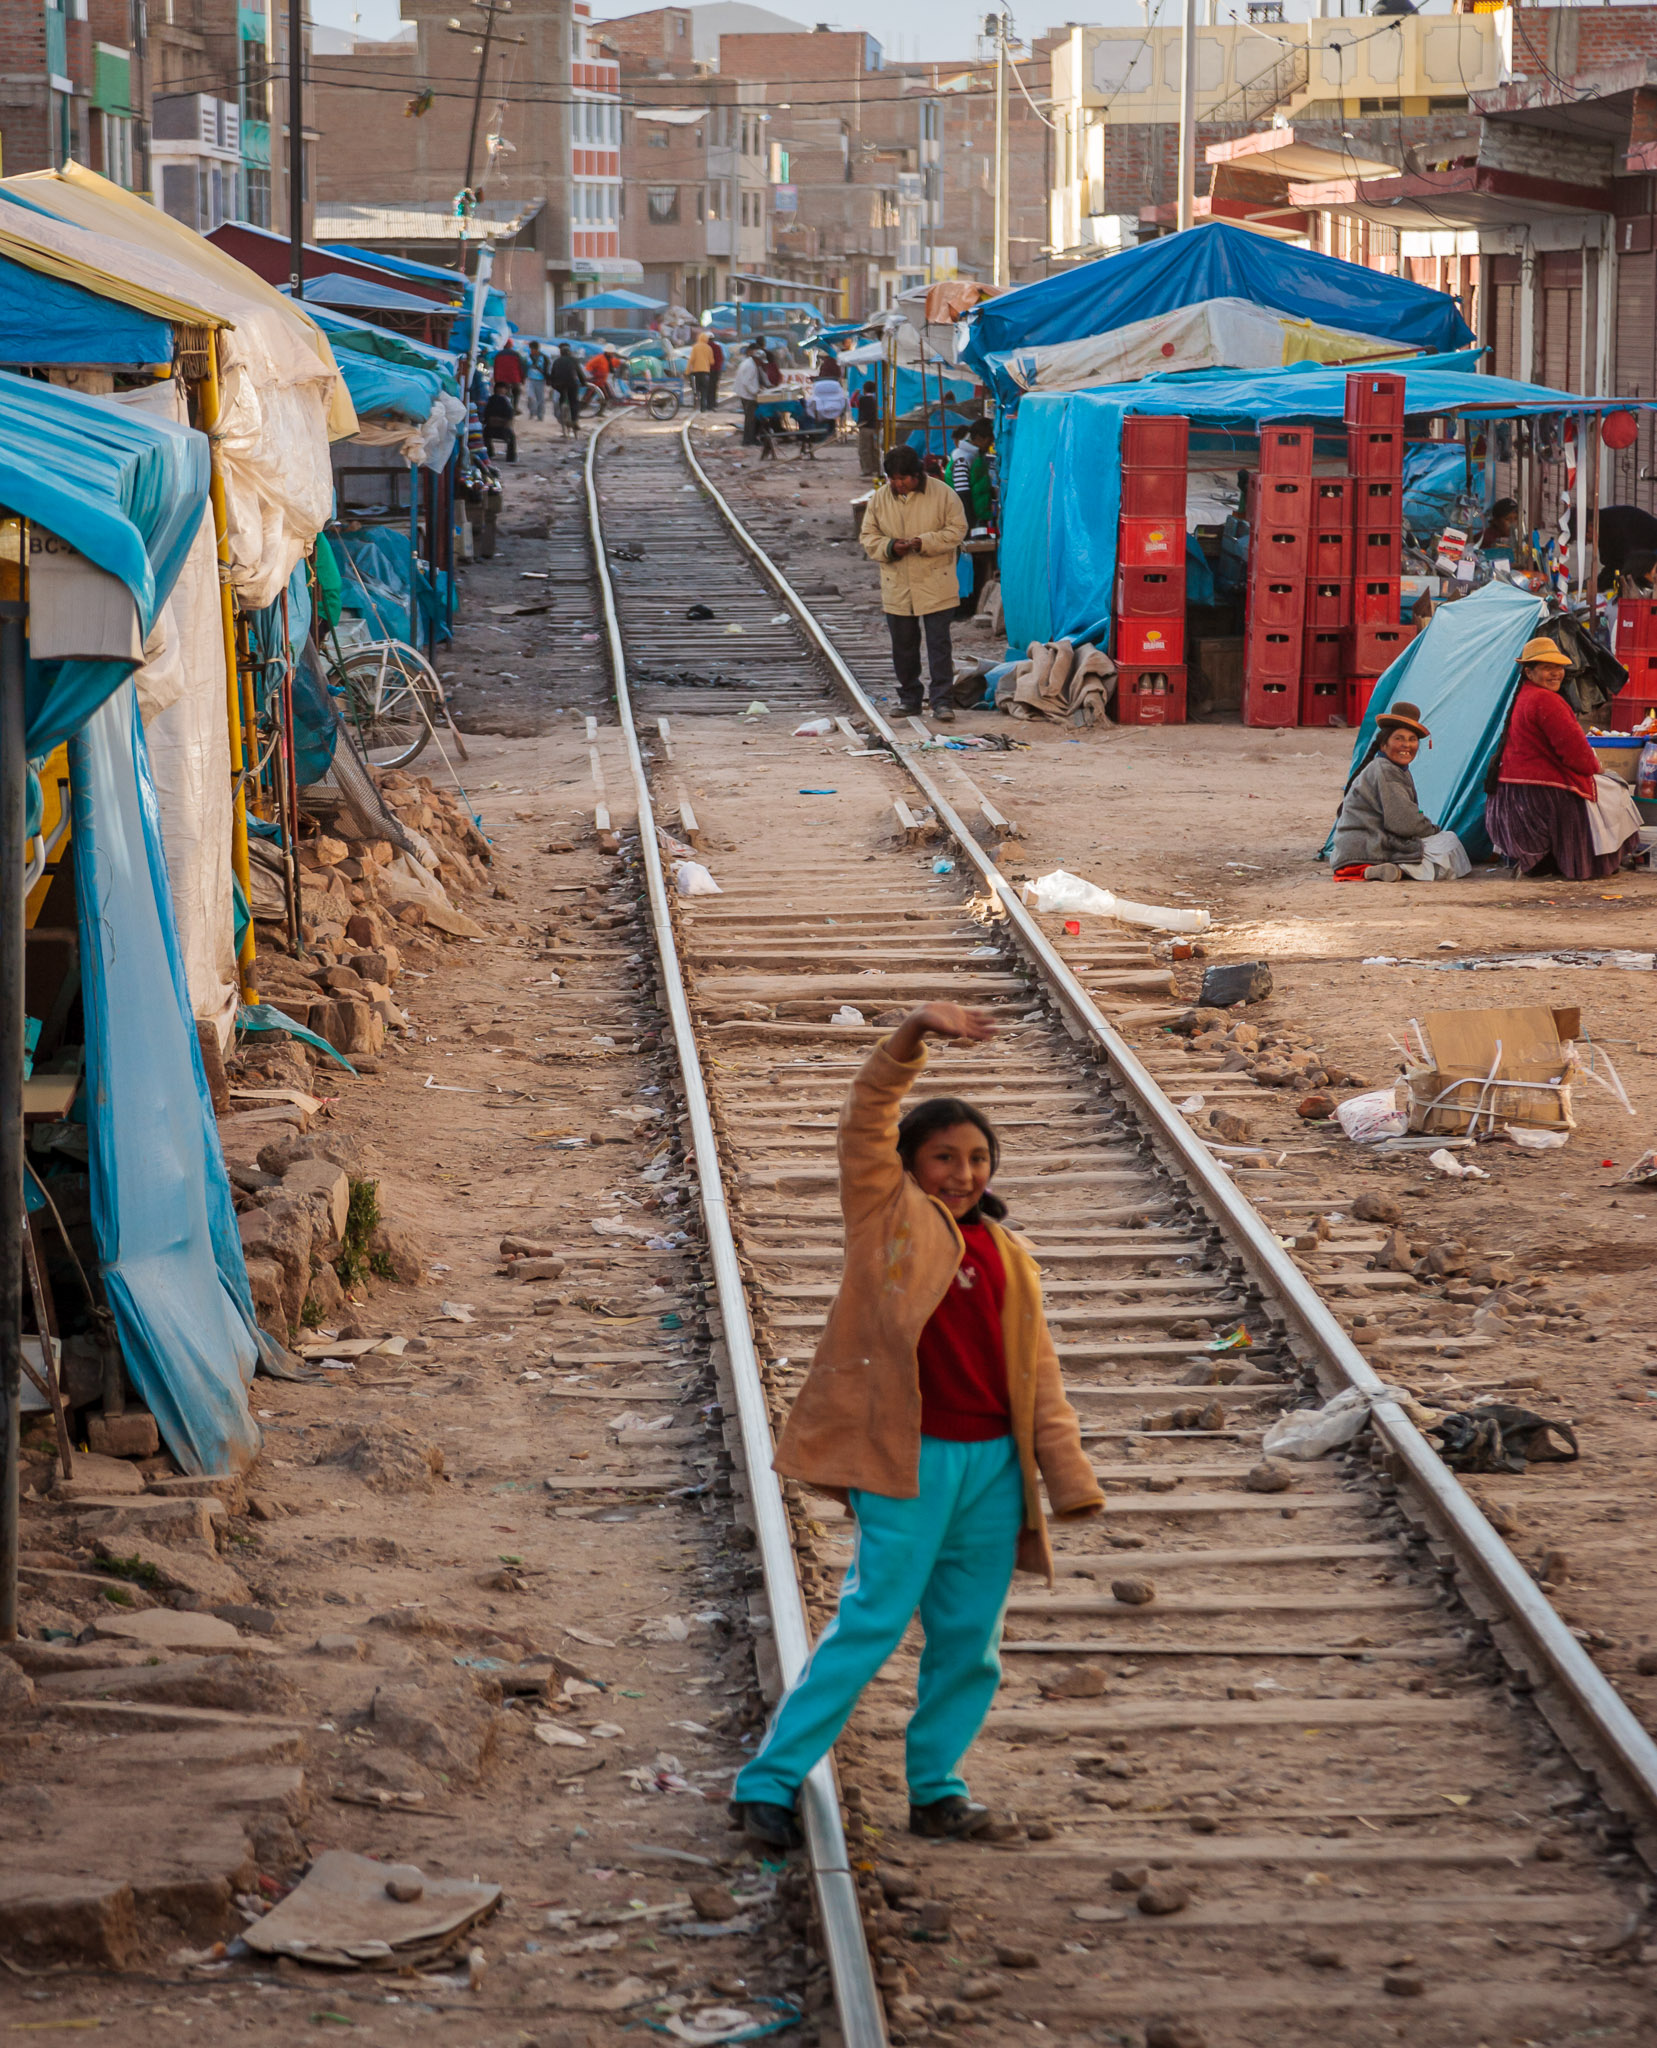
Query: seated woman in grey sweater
[(1382, 833)]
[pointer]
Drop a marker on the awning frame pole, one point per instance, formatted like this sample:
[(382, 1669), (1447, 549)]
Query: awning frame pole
[(209, 397), (14, 773)]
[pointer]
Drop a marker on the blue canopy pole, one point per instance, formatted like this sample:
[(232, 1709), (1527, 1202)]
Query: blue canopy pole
[(13, 839), (413, 558)]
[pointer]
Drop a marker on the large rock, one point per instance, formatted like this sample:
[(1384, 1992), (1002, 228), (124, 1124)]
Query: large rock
[(264, 1276), (17, 1692), (344, 1148), (325, 1191), (445, 1731), (398, 1246), (202, 1577), (281, 1232), (228, 1684), (385, 1459)]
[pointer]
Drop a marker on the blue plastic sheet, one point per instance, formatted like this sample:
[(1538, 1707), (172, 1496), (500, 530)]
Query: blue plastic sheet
[(162, 1214), (49, 320), (1216, 261), (356, 294), (1062, 490), (361, 337), (1435, 477), (125, 488), (432, 273), (1462, 673), (910, 390), (377, 386), (381, 555)]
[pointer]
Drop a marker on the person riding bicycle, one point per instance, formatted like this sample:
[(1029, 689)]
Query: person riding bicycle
[(566, 380)]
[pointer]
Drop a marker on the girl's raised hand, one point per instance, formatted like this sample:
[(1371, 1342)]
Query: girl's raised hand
[(939, 1020)]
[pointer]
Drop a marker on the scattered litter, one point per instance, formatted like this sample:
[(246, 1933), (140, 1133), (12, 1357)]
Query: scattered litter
[(1539, 1141), (691, 878), (814, 728), (709, 2025), (1191, 1105), (349, 1912), (846, 1015), (779, 618), (444, 1088), (663, 1774), (756, 710), (1315, 1432), (819, 792), (593, 1642), (699, 611), (1448, 1163), (1643, 1172), (555, 1737), (457, 1312), (1368, 1119), (1063, 891), (607, 1731), (943, 866), (734, 629), (1495, 1437)]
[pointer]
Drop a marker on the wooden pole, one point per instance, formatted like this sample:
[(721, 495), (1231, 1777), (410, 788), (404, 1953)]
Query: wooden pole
[(227, 613)]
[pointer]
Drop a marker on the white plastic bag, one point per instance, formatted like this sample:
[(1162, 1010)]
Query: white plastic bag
[(1367, 1119), (1062, 891), (846, 1015), (1449, 1165), (814, 729), (692, 879), (1315, 1432)]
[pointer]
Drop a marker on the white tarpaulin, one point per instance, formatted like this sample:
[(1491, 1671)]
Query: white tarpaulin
[(1214, 334), (181, 700), (275, 390)]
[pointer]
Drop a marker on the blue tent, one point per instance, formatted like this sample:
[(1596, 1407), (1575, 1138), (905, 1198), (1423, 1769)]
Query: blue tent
[(361, 337), (428, 273), (130, 491), (49, 320), (614, 302), (1461, 673), (335, 288), (1062, 495), (377, 386)]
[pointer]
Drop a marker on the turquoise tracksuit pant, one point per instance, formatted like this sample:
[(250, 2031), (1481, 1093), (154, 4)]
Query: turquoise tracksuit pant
[(948, 1553)]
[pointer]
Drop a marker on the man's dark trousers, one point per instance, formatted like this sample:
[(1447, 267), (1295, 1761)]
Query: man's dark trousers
[(906, 633)]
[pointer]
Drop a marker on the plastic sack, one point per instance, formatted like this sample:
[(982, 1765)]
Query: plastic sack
[(1315, 1432), (1367, 1119), (1061, 891), (690, 878), (846, 1015), (814, 729), (1449, 1165)]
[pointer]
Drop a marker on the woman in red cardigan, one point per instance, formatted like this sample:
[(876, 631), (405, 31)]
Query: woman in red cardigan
[(1537, 815)]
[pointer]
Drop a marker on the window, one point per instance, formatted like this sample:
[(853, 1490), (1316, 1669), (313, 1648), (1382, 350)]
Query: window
[(1265, 10), (115, 147), (664, 205), (258, 199), (701, 204), (657, 138)]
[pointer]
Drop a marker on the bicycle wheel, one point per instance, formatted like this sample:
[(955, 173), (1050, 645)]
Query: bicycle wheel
[(664, 405), (392, 698)]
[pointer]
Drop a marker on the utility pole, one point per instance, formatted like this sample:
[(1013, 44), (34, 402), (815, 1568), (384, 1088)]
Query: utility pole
[(1188, 116), (488, 9), (296, 147), (996, 25)]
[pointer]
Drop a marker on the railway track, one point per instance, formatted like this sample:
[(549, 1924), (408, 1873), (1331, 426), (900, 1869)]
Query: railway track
[(1345, 1776)]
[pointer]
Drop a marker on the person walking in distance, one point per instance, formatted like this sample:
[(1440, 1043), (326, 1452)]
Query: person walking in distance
[(535, 381), (566, 380), (700, 367), (509, 374), (868, 429), (717, 372), (749, 382), (934, 1409), (913, 527)]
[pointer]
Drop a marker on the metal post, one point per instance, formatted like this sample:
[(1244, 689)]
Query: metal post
[(488, 12), (296, 147), (1188, 116), (999, 275), (13, 786)]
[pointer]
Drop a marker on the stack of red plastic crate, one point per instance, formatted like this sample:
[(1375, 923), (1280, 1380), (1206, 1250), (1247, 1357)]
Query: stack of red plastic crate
[(1150, 573), (1637, 651), (1373, 637), (1280, 540)]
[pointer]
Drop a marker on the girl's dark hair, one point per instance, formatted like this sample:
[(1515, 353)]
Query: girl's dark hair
[(936, 1114)]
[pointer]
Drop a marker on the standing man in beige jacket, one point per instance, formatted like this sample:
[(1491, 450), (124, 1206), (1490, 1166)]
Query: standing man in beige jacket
[(913, 528)]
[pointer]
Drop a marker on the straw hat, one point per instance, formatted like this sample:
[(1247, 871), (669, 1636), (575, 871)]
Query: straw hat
[(1543, 650), (1402, 717)]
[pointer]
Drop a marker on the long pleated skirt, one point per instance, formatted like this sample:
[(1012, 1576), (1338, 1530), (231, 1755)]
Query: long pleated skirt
[(1544, 831)]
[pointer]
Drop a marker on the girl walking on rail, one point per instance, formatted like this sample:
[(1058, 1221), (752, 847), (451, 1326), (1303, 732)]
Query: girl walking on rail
[(934, 1410)]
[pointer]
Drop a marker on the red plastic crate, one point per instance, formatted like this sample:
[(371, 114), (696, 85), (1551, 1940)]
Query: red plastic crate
[(1285, 451), (1372, 649), (1377, 601), (1331, 501), (1359, 690), (1377, 501), (1271, 700), (1375, 451), (1149, 593), (1150, 696), (1628, 712), (1376, 553), (1374, 398), (1150, 442), (1153, 494), (1277, 556), (1322, 700), (1322, 653), (1281, 502), (1276, 601), (1150, 640), (1329, 558), (1151, 543), (1636, 626), (1641, 687), (1272, 651), (1329, 602)]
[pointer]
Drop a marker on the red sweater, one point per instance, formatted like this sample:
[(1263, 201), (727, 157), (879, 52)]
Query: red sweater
[(962, 1353), (1545, 744)]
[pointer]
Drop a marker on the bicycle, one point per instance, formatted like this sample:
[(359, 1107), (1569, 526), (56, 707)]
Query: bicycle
[(662, 401), (393, 699)]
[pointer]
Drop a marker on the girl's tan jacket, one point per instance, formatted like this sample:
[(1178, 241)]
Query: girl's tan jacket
[(857, 1422)]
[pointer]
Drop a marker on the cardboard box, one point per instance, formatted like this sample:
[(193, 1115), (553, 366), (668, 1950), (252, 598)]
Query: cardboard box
[(1487, 1069)]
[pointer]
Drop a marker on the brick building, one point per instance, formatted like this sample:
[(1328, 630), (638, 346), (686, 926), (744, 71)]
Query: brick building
[(395, 122), (218, 74), (73, 84)]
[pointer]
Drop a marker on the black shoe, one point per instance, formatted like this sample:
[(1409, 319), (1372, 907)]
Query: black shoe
[(910, 708), (944, 714), (953, 1819), (775, 1827)]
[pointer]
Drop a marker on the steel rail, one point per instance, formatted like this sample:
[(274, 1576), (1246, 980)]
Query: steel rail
[(860, 2007), (1586, 1689)]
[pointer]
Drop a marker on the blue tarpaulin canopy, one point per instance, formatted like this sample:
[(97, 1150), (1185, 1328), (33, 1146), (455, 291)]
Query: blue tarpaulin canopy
[(1063, 492), (129, 491), (362, 337), (377, 386), (614, 302), (47, 319), (425, 273), (356, 294), (1461, 673), (1215, 261)]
